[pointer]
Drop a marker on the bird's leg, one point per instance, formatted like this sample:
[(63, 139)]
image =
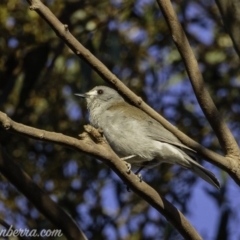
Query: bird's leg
[(139, 170), (128, 157), (139, 174), (144, 165)]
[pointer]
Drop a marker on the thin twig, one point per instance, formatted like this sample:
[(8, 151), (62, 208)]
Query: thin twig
[(231, 18)]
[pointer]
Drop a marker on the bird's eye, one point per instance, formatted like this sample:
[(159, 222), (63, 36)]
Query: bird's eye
[(100, 91)]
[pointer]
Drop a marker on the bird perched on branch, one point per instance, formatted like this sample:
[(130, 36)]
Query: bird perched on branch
[(136, 137)]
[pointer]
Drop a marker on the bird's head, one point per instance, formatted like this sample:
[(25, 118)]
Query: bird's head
[(101, 96)]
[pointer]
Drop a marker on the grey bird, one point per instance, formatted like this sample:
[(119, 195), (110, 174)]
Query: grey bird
[(136, 137)]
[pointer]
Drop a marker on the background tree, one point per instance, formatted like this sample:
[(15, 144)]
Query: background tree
[(39, 75)]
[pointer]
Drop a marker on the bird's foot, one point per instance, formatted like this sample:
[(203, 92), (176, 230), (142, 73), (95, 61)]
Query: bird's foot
[(128, 167), (128, 164), (139, 175)]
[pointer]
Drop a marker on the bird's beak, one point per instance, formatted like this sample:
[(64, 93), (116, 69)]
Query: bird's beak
[(87, 94), (81, 95)]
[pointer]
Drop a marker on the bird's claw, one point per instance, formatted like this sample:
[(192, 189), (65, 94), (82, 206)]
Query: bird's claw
[(128, 168), (139, 175), (128, 164)]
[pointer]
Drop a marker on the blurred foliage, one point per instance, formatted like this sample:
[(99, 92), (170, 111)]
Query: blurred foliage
[(39, 76)]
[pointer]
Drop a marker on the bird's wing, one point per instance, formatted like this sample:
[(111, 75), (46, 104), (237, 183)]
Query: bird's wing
[(159, 133), (145, 123)]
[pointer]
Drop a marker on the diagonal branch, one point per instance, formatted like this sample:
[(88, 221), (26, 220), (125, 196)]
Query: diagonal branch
[(39, 198), (95, 145), (63, 32), (223, 133)]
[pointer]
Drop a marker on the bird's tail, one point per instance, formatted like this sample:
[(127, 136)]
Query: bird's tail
[(204, 173)]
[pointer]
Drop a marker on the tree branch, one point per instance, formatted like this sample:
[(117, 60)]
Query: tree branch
[(230, 12), (94, 144), (205, 101), (39, 198), (63, 32)]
